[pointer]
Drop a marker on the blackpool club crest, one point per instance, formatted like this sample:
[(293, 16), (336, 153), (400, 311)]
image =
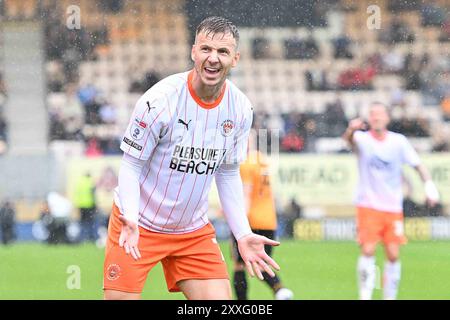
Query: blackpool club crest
[(227, 128), (113, 272)]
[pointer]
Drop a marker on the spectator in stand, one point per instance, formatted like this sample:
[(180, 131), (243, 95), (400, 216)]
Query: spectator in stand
[(292, 142), (292, 48), (72, 105), (108, 180), (441, 140), (93, 148), (55, 76), (398, 98), (311, 48), (432, 14), (73, 53), (57, 218), (73, 129), (295, 48), (335, 118), (376, 62), (445, 31), (393, 61), (3, 129), (140, 86), (342, 48), (260, 48), (357, 79), (399, 31), (309, 79), (87, 93), (92, 111), (292, 212), (316, 80), (3, 123), (108, 113), (409, 127), (111, 146), (57, 127), (3, 91), (150, 79), (412, 77), (309, 135)]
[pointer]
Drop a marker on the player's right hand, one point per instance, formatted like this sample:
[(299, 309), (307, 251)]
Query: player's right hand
[(129, 237), (357, 124)]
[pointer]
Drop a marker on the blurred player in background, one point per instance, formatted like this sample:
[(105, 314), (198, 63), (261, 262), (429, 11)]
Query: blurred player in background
[(185, 130), (261, 211), (381, 155)]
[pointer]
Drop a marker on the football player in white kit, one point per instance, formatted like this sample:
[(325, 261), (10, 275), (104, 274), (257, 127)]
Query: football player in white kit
[(381, 154), (184, 131)]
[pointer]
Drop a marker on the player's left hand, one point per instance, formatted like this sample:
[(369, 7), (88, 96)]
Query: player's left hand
[(251, 248), (432, 202), (432, 193), (129, 237)]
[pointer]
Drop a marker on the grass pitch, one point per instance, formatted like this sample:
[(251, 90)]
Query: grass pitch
[(313, 270)]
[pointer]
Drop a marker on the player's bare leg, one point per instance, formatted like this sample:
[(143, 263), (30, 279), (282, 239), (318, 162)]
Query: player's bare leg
[(392, 271), (366, 271), (206, 289), (120, 295)]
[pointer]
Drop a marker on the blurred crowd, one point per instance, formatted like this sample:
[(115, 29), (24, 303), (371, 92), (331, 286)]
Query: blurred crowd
[(299, 132), (87, 107)]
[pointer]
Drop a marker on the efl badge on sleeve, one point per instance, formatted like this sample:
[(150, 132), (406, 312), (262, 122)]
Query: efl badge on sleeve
[(138, 129)]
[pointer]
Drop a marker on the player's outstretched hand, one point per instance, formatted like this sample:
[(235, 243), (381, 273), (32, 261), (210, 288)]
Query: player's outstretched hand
[(251, 248), (129, 237), (357, 124)]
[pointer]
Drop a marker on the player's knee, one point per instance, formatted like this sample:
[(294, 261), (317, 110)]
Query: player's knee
[(120, 295), (392, 256), (392, 253), (368, 250)]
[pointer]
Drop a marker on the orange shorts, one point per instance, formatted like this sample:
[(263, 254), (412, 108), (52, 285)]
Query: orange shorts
[(194, 255), (374, 225)]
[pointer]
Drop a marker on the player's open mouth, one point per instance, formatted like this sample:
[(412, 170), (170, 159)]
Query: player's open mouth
[(211, 71)]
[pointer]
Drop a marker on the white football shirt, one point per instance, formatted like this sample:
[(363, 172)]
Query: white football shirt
[(184, 141), (380, 170)]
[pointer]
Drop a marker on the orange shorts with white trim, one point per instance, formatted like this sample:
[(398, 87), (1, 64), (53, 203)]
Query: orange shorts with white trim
[(194, 255), (374, 226)]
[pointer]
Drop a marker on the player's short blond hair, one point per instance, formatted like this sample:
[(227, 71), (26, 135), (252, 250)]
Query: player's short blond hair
[(214, 24)]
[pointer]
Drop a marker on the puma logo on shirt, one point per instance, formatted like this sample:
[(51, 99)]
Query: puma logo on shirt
[(184, 123)]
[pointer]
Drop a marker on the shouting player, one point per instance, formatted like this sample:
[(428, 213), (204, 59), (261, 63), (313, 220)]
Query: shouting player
[(261, 211), (381, 155), (184, 130)]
